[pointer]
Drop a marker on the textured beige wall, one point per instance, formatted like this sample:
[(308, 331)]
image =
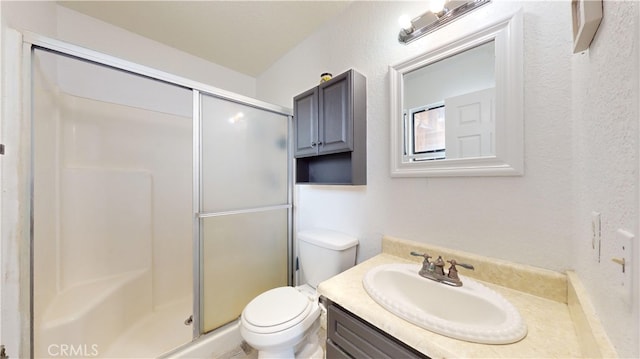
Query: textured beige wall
[(581, 135)]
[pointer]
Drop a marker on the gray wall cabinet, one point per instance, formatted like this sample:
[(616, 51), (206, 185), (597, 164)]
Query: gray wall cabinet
[(330, 131), (349, 336)]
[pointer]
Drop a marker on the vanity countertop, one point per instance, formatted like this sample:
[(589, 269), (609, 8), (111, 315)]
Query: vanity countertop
[(551, 330)]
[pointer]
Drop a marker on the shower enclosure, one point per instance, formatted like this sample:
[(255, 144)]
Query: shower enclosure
[(160, 206)]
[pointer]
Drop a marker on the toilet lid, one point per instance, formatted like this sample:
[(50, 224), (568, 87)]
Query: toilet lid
[(277, 309)]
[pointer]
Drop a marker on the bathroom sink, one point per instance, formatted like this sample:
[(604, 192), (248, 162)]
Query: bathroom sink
[(472, 312)]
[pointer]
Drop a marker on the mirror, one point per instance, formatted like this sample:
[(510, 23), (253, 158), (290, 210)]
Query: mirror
[(448, 107), (457, 109)]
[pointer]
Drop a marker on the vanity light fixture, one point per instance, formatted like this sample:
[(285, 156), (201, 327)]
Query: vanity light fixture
[(441, 13)]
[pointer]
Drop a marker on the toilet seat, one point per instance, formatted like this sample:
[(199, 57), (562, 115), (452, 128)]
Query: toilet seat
[(276, 310)]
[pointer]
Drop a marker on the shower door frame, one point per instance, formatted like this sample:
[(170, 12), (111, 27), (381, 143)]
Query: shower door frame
[(31, 41)]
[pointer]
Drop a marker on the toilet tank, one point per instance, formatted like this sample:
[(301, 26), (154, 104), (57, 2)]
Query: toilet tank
[(324, 253)]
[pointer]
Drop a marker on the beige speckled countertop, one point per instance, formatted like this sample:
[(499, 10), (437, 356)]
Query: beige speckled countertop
[(552, 332)]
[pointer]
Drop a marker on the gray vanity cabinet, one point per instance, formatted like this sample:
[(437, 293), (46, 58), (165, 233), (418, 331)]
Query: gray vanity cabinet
[(330, 131), (349, 336), (324, 122)]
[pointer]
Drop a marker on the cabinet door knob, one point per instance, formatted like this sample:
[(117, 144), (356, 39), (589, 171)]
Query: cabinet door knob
[(319, 143), (313, 144)]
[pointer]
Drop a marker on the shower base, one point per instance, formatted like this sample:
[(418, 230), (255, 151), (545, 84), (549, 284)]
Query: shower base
[(112, 317), (222, 343), (154, 334)]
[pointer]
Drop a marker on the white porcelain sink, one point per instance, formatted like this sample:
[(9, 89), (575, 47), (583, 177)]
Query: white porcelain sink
[(472, 312)]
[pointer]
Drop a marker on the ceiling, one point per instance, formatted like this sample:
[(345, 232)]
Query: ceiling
[(245, 36)]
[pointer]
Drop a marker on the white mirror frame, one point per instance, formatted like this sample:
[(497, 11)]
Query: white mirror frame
[(509, 115)]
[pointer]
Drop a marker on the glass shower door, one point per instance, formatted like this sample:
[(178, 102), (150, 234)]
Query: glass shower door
[(244, 206), (112, 210)]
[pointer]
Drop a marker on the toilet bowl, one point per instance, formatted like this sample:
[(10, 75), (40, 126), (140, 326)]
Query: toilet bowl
[(284, 322), (276, 322)]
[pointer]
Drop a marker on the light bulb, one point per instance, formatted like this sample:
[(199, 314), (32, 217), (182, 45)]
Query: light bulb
[(405, 22), (436, 6)]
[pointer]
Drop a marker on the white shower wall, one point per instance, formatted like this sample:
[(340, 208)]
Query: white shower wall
[(46, 260), (136, 166), (153, 152), (107, 224)]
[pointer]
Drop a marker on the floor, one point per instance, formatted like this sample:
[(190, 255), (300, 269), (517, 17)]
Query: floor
[(244, 351)]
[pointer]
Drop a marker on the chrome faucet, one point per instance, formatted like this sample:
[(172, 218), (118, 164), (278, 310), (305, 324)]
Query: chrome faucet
[(435, 270)]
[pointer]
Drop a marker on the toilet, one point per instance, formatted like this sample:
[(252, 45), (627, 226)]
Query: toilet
[(283, 322)]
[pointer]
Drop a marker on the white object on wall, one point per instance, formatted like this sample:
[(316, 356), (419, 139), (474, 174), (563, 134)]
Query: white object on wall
[(622, 250), (586, 16)]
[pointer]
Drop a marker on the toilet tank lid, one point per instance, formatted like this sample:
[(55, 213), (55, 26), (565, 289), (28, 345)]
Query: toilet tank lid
[(328, 239)]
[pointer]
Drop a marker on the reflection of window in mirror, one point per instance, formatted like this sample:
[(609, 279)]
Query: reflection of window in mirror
[(428, 135)]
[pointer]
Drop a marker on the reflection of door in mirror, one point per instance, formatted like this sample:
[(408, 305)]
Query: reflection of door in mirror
[(461, 124), (470, 125)]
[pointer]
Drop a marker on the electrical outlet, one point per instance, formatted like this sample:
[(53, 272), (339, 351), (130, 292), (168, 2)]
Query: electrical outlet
[(596, 235), (622, 257)]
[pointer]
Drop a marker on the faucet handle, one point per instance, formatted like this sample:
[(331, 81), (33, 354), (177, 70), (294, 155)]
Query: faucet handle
[(453, 272), (424, 255), (463, 265)]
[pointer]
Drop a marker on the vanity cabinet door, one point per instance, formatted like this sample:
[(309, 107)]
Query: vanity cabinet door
[(349, 336), (335, 352), (335, 120), (305, 108)]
